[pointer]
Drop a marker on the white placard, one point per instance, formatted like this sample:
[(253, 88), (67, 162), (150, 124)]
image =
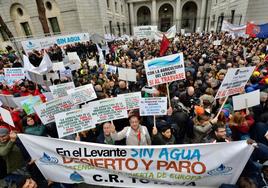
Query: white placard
[(13, 74), (165, 69), (127, 74), (217, 42), (147, 31), (153, 106), (246, 100), (60, 90), (108, 109), (234, 81), (73, 121), (6, 116), (132, 100), (46, 111), (58, 66), (82, 94), (74, 61)]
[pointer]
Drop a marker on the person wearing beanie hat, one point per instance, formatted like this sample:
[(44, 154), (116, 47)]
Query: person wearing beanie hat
[(165, 137)]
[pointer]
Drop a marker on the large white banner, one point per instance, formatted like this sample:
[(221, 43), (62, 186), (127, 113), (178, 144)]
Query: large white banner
[(108, 109), (234, 30), (60, 40), (82, 94), (46, 111), (198, 165), (234, 81), (147, 31), (73, 121), (165, 69)]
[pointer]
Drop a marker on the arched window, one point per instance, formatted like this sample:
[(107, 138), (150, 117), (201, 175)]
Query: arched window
[(144, 16)]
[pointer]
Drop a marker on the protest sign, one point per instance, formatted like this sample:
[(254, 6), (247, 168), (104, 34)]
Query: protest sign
[(165, 69), (29, 103), (246, 100), (60, 90), (147, 31), (17, 100), (73, 121), (74, 61), (92, 62), (108, 109), (132, 100), (46, 42), (82, 94), (46, 111), (196, 165), (127, 74), (52, 76), (58, 66), (234, 81), (36, 77), (6, 116), (153, 106), (48, 96), (67, 74), (7, 100), (111, 69), (13, 74), (217, 42)]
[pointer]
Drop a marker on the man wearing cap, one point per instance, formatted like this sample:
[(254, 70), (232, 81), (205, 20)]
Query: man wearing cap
[(9, 151)]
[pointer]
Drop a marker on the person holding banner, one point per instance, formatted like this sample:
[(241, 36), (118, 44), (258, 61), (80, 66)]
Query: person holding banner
[(164, 137), (135, 134), (31, 126)]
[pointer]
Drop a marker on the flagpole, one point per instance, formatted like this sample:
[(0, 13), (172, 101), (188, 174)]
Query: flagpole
[(168, 95)]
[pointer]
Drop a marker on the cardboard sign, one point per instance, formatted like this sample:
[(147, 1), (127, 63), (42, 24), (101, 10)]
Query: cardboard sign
[(58, 66), (46, 111), (132, 100), (13, 74), (6, 116), (246, 100), (82, 94), (60, 90), (74, 61), (234, 81), (153, 106), (52, 76), (127, 74), (147, 31), (108, 109), (73, 121), (37, 77), (29, 103), (165, 69)]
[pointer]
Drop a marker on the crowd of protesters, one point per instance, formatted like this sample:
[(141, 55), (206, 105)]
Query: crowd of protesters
[(191, 117)]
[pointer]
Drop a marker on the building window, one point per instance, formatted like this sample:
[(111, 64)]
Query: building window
[(26, 28), (213, 20), (110, 26), (122, 9), (219, 24), (3, 34), (54, 25), (115, 5), (124, 28), (232, 16), (48, 5), (119, 29), (20, 11), (108, 3)]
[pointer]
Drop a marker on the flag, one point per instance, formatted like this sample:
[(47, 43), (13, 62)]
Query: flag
[(258, 31), (27, 66), (164, 45), (101, 56)]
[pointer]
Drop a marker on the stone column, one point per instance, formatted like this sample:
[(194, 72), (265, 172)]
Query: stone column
[(178, 15), (202, 16), (132, 21), (154, 15)]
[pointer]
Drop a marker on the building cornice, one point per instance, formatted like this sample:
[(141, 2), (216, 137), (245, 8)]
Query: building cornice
[(137, 1)]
